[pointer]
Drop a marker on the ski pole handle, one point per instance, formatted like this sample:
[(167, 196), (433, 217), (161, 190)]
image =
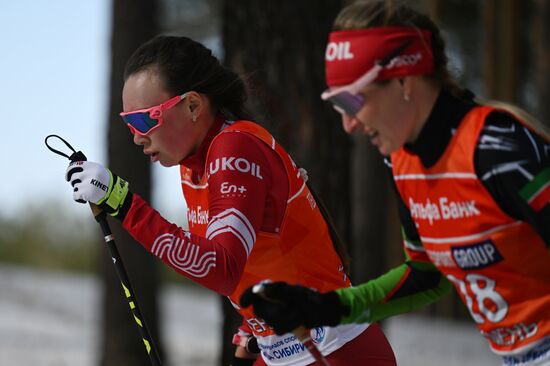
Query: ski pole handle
[(101, 218), (79, 156)]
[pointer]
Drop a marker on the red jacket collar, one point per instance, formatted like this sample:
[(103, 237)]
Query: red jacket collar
[(196, 161)]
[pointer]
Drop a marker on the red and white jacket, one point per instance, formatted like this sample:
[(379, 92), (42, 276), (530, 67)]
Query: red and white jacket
[(251, 217)]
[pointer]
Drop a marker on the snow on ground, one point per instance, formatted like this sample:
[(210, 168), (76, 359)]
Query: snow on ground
[(422, 341), (47, 319)]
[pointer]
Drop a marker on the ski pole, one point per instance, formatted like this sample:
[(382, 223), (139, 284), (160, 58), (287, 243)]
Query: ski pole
[(100, 217), (300, 332)]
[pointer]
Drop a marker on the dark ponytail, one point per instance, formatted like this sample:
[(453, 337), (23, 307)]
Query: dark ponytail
[(187, 65)]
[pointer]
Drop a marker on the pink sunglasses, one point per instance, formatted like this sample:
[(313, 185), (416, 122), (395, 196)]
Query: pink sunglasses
[(145, 121), (346, 99)]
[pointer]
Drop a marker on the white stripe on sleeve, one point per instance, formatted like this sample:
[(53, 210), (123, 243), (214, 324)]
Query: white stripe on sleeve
[(235, 222)]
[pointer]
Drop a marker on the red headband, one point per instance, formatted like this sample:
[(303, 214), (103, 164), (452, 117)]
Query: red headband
[(350, 54)]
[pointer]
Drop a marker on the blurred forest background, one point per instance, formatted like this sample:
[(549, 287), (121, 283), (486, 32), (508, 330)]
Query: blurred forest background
[(498, 49)]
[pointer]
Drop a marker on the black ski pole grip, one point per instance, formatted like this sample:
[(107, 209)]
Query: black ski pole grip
[(77, 156)]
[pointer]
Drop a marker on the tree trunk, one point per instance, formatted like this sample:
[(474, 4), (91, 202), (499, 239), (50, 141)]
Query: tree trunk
[(134, 22), (279, 47), (542, 56), (376, 228), (501, 46)]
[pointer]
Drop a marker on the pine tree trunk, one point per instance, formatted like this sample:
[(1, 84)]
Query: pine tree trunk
[(134, 22), (542, 56)]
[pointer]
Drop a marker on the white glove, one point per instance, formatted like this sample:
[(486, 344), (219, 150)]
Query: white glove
[(90, 181), (94, 183)]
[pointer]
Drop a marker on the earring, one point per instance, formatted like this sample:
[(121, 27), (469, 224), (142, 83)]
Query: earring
[(407, 97), (194, 117)]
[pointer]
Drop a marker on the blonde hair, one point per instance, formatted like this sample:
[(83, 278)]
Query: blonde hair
[(364, 14), (534, 124)]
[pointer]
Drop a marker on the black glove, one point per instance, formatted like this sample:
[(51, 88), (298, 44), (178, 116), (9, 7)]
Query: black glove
[(285, 307)]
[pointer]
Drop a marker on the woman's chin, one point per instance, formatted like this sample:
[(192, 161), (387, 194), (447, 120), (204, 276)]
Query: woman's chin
[(377, 142), (166, 164), (386, 150)]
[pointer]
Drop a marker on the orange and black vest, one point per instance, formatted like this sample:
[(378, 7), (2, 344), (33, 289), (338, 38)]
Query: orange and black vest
[(500, 266)]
